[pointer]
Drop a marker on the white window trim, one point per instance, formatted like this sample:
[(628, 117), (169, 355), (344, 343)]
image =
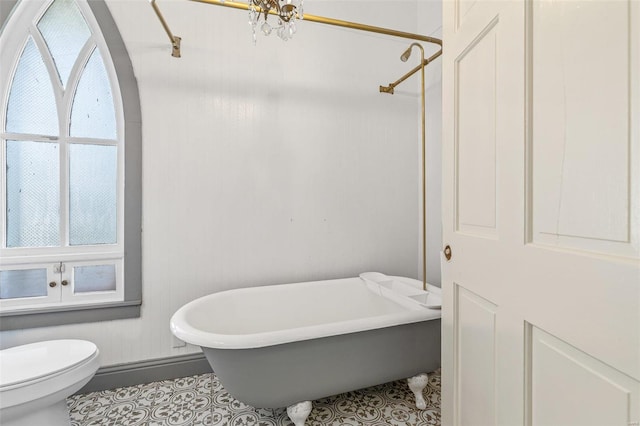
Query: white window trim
[(122, 299), (52, 297)]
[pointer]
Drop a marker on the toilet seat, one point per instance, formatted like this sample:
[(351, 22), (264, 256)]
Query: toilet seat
[(26, 364), (36, 379)]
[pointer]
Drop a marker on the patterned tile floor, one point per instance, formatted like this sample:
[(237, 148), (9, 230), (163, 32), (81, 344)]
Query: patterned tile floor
[(201, 400)]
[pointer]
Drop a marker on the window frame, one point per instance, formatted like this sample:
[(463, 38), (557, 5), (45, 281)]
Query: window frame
[(127, 105)]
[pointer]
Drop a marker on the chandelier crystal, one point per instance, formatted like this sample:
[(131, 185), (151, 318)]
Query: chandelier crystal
[(287, 11)]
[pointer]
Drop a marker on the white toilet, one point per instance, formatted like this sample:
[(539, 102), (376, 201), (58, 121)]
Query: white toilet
[(36, 379)]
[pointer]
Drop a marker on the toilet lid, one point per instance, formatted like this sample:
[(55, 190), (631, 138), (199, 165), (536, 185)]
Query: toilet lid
[(35, 360)]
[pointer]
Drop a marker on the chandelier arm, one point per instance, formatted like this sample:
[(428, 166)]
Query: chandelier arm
[(273, 8)]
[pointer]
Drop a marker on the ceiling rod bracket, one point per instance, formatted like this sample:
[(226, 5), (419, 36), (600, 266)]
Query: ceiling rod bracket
[(175, 40)]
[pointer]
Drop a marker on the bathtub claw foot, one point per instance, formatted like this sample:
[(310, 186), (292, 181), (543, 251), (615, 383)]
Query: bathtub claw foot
[(299, 412), (417, 385)]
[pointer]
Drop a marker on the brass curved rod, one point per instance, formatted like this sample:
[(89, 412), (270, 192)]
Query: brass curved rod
[(390, 88), (334, 22)]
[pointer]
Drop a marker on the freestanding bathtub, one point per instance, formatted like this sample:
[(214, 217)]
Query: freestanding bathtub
[(286, 345)]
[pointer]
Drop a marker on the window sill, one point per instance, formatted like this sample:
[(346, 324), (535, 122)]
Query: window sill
[(15, 320)]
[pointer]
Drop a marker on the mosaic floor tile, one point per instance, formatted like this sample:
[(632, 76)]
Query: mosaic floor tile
[(201, 400)]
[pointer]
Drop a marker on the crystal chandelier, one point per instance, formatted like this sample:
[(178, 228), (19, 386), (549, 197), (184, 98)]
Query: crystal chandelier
[(287, 12)]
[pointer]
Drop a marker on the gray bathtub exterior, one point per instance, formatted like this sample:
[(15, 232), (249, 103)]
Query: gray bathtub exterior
[(284, 374)]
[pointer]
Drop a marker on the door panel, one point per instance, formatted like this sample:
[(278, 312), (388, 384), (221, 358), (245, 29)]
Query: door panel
[(475, 358), (475, 76), (462, 7), (581, 131), (541, 207), (568, 387)]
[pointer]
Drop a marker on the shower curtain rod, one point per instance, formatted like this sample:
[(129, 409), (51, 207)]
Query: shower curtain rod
[(331, 21), (175, 41)]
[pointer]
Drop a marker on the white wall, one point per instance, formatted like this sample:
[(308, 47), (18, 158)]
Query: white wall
[(267, 164)]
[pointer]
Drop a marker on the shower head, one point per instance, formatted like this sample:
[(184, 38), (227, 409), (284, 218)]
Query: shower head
[(407, 53)]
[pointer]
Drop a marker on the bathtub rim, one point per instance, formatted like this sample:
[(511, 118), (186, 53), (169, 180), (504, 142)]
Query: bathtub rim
[(189, 334)]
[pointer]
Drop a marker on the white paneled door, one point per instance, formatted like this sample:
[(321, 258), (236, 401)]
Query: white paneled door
[(541, 209)]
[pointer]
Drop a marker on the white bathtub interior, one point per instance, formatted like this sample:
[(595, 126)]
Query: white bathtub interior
[(261, 316)]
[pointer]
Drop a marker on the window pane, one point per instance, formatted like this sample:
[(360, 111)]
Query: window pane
[(92, 194), (94, 278), (32, 105), (33, 194), (23, 283), (92, 113), (65, 31)]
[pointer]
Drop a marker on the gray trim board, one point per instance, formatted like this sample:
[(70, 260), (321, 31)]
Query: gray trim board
[(88, 314), (140, 372), (6, 8), (132, 149)]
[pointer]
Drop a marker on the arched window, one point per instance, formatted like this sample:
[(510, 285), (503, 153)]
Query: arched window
[(64, 160)]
